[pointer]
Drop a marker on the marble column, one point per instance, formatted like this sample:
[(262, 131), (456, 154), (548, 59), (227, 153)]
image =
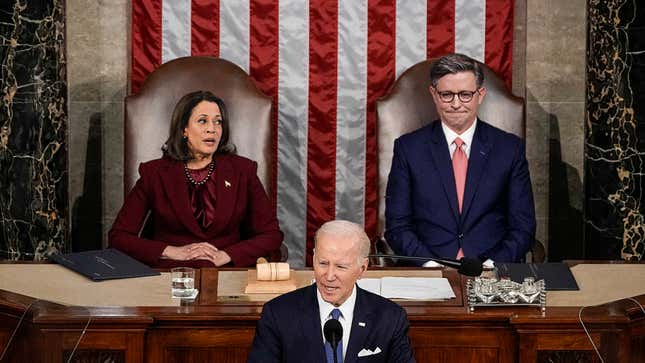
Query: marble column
[(614, 130), (33, 128)]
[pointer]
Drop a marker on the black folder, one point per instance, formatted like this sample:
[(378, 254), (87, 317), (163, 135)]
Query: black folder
[(108, 264), (557, 276)]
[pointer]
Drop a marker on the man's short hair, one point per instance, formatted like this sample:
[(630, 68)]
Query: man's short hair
[(346, 229), (453, 64)]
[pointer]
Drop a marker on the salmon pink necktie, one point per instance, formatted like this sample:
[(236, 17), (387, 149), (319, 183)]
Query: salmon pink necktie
[(460, 167)]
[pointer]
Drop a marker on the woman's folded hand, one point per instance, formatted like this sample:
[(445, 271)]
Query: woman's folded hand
[(196, 251)]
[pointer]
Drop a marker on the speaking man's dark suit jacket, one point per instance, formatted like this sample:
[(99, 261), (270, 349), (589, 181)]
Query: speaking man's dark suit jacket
[(290, 330), (245, 224), (498, 215)]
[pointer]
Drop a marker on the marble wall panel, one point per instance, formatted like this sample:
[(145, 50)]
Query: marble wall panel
[(566, 196), (519, 49), (33, 127), (556, 33), (634, 235), (98, 59), (555, 96), (614, 155), (537, 155)]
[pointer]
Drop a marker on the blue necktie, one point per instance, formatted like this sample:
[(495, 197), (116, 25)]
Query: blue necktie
[(335, 314)]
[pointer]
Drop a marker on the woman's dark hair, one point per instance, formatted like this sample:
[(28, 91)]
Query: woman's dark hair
[(176, 146)]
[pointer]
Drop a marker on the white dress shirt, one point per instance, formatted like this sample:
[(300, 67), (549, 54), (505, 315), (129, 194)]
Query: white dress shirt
[(345, 319), (466, 137)]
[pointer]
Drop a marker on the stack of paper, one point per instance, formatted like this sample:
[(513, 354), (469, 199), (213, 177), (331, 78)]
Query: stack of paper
[(414, 288)]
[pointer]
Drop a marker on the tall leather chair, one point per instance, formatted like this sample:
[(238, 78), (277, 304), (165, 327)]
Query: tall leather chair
[(409, 106), (148, 113)]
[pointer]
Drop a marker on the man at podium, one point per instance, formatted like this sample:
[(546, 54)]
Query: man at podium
[(292, 325)]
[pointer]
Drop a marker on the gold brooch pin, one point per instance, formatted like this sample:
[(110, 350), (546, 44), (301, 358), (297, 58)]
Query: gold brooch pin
[(227, 184)]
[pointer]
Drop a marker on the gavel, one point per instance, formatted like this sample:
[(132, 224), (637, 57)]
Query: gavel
[(272, 271)]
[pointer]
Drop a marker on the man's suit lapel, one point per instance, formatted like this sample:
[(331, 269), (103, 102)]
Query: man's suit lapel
[(477, 162), (362, 324), (443, 164), (311, 325), (176, 187)]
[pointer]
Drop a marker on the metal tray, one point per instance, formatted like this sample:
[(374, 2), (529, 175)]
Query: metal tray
[(491, 292)]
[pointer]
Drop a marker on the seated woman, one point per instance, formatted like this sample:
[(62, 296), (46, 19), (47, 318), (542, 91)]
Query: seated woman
[(207, 205)]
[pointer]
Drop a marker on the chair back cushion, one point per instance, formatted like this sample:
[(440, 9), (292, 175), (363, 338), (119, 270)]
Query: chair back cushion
[(409, 106), (148, 113)]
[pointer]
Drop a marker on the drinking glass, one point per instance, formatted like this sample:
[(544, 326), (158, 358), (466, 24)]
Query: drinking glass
[(183, 282)]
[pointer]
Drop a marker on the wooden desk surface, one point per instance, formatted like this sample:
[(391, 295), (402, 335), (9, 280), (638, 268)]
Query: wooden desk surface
[(216, 328), (599, 284), (58, 284), (231, 283)]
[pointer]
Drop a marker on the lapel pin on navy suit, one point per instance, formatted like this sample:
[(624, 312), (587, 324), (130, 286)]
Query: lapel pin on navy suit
[(360, 323)]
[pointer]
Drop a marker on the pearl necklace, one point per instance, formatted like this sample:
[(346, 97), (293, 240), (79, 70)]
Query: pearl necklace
[(211, 168)]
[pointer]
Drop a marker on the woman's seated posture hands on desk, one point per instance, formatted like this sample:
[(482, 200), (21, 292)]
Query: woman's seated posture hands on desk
[(197, 251), (206, 205)]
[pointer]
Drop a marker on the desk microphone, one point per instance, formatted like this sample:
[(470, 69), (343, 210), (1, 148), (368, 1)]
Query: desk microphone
[(465, 266), (333, 334)]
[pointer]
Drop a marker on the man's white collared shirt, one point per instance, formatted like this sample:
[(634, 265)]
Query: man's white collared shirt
[(345, 319), (466, 137)]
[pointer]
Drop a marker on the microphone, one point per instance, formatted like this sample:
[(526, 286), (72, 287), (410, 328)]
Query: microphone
[(333, 334), (465, 266)]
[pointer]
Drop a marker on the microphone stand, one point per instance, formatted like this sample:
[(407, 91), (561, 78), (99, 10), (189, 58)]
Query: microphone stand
[(444, 262), (331, 331), (334, 348), (465, 266), (417, 258)]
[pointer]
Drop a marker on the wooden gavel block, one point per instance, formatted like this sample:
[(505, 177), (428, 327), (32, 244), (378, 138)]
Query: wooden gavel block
[(272, 271)]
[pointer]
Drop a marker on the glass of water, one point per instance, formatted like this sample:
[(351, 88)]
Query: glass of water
[(183, 282)]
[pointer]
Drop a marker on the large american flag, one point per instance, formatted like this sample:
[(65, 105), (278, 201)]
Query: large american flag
[(324, 63)]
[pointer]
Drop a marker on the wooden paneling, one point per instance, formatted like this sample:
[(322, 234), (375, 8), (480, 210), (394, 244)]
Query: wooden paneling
[(209, 330), (463, 344), (168, 344)]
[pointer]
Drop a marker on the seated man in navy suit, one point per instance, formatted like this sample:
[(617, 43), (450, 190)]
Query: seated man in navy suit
[(374, 328), (459, 186)]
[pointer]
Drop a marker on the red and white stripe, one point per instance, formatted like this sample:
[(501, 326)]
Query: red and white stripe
[(324, 63)]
